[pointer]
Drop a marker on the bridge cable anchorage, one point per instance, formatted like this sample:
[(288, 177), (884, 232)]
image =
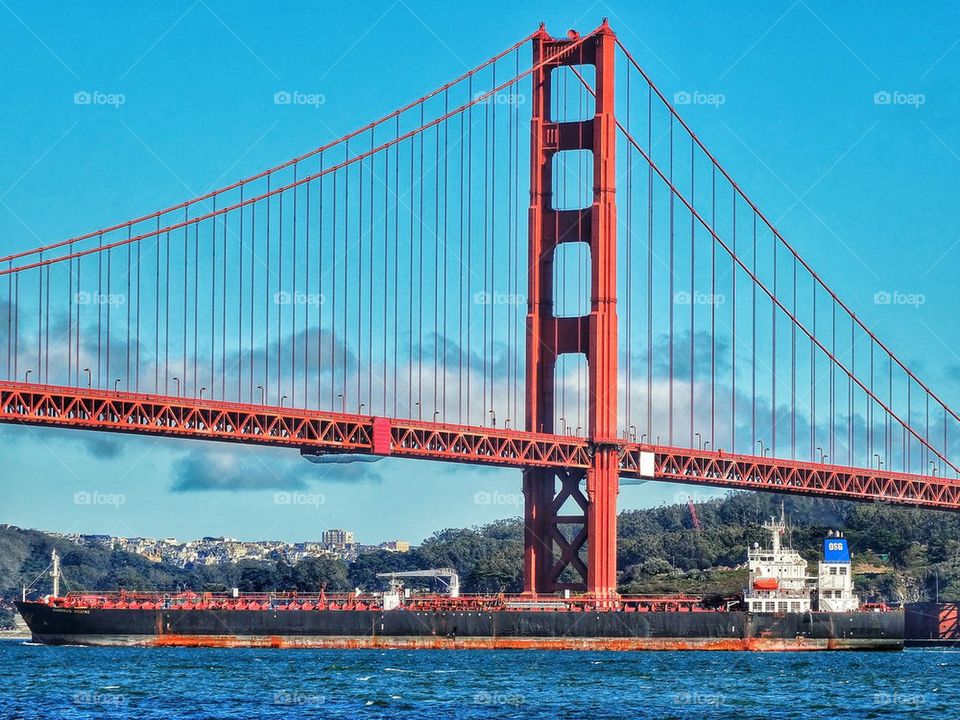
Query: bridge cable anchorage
[(370, 297)]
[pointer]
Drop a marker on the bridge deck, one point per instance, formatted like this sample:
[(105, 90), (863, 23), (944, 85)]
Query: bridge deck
[(329, 432)]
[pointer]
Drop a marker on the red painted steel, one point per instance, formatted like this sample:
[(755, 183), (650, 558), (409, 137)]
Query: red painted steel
[(32, 404), (330, 432), (302, 601), (552, 557), (381, 436), (749, 472)]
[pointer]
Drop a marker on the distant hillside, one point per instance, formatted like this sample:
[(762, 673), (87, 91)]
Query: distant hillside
[(25, 554), (899, 554)]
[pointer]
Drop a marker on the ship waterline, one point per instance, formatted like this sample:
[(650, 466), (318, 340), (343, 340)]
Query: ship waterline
[(609, 629)]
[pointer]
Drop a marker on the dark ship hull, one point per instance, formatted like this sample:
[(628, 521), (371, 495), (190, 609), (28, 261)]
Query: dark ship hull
[(932, 624), (506, 628)]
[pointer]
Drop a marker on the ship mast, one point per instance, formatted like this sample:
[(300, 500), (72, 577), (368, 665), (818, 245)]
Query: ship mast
[(55, 573)]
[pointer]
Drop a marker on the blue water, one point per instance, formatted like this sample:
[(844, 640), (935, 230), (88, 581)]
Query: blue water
[(79, 682)]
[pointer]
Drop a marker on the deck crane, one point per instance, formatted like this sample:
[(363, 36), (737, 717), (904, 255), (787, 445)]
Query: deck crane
[(447, 576)]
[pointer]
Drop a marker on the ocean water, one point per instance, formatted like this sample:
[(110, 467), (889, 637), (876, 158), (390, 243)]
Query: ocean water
[(218, 684)]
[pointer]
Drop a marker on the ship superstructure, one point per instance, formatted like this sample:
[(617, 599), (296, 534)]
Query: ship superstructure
[(835, 576), (778, 580)]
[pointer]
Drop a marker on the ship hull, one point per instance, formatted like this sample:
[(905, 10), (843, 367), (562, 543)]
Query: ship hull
[(931, 624), (407, 629)]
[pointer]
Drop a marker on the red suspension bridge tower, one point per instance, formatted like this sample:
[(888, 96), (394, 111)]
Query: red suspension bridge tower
[(553, 538)]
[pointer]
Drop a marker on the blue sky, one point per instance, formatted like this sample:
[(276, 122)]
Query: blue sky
[(865, 191)]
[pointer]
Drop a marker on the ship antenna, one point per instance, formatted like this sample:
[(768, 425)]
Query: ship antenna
[(787, 528)]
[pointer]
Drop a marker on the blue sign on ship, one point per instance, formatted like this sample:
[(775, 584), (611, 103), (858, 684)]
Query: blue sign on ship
[(835, 550)]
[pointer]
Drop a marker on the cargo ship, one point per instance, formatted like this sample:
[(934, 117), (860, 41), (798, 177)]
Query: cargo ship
[(781, 609)]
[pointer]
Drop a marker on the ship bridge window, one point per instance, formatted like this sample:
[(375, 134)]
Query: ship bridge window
[(833, 570), (843, 569)]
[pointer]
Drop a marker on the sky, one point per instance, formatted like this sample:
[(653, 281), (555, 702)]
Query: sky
[(862, 187)]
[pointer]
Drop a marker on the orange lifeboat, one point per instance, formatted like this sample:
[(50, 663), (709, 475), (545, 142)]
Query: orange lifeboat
[(765, 584)]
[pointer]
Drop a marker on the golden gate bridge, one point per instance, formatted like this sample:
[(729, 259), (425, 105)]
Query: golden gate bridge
[(538, 265)]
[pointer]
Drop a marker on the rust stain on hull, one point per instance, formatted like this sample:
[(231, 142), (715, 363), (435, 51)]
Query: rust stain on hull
[(513, 643)]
